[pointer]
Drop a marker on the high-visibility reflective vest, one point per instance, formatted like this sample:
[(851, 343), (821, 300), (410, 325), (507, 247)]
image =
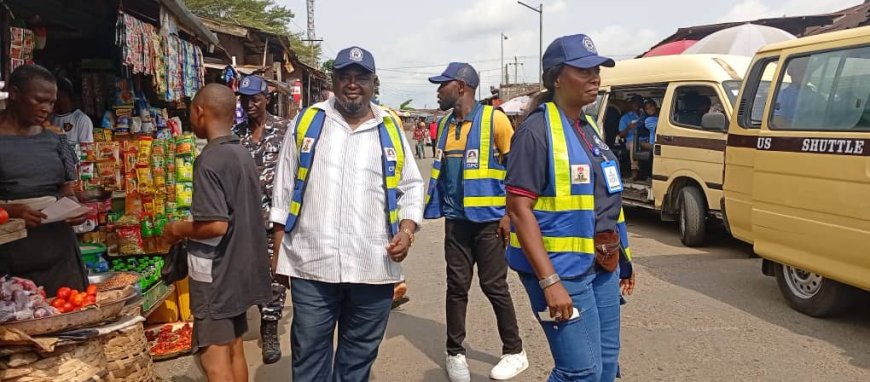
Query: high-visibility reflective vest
[(566, 209), (307, 134), (482, 174)]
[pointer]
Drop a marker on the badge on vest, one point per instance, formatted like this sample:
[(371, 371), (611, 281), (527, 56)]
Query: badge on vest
[(390, 153), (438, 154), (580, 174), (611, 176), (307, 144), (600, 143), (472, 158)]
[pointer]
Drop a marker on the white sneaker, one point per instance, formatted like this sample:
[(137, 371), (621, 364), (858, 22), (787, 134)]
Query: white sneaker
[(457, 368), (510, 366)]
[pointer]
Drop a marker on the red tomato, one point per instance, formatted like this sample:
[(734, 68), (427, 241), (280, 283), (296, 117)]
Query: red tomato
[(63, 293), (4, 216), (92, 290), (67, 307), (78, 299), (58, 303), (90, 300)]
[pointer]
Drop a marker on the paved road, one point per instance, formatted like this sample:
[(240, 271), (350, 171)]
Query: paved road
[(698, 315)]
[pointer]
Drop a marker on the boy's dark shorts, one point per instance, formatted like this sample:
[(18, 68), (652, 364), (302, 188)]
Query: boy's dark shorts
[(207, 331)]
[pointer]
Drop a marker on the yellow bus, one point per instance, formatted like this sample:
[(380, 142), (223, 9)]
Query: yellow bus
[(797, 168), (681, 174)]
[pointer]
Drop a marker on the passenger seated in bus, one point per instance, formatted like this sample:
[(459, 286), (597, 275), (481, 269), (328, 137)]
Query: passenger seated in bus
[(650, 122), (694, 108), (627, 127), (797, 95)]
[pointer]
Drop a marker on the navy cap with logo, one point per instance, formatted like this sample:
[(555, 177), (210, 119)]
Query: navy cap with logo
[(576, 50), (253, 85), (355, 56), (458, 71)]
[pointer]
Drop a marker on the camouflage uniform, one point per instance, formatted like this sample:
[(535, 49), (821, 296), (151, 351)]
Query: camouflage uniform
[(265, 154)]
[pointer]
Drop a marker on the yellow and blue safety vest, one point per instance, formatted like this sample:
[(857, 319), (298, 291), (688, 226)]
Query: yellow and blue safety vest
[(482, 182), (566, 210), (307, 134)]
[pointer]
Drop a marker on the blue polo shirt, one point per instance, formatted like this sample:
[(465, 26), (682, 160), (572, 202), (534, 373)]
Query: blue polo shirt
[(625, 121)]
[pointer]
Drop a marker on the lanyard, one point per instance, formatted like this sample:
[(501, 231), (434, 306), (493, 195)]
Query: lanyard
[(595, 150)]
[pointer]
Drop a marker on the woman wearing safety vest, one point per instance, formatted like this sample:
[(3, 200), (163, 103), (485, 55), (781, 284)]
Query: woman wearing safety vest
[(568, 239)]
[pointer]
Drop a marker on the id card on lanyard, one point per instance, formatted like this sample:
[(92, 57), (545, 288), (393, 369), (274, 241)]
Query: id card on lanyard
[(609, 168)]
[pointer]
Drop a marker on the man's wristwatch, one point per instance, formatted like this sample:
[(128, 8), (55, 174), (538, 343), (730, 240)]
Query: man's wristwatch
[(410, 234), (549, 280)]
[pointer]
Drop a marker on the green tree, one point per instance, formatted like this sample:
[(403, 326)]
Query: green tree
[(261, 14), (406, 105)]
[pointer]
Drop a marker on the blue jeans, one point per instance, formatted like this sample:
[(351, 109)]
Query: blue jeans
[(361, 312), (586, 348)]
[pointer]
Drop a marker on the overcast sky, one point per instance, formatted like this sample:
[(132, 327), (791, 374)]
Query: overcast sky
[(412, 40)]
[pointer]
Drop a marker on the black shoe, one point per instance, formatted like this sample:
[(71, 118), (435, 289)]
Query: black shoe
[(271, 345)]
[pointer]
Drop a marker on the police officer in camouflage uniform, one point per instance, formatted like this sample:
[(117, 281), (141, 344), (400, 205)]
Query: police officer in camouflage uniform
[(262, 134)]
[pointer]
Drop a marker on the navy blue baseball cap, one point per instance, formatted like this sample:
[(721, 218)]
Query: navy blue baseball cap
[(355, 56), (458, 71), (253, 85), (576, 50)]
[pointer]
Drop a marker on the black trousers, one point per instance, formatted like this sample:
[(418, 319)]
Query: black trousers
[(466, 244)]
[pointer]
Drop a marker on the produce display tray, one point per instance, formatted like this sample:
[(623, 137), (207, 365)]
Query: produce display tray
[(153, 331), (72, 320), (12, 230)]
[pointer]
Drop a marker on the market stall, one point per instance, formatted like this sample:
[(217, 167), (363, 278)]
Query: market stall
[(135, 66)]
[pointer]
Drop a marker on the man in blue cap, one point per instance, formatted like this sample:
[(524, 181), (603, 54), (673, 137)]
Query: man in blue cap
[(350, 204), (262, 134), (467, 188)]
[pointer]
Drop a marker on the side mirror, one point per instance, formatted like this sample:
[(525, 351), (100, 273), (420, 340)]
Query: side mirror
[(714, 121)]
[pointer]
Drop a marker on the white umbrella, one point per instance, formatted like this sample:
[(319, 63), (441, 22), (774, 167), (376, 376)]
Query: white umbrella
[(742, 40), (515, 106)]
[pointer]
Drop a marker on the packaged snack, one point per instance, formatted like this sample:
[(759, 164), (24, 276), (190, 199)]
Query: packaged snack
[(148, 205), (158, 147), (159, 205), (136, 125), (86, 171), (183, 194), (88, 152), (159, 175), (108, 121), (130, 240), (108, 151), (185, 145), (170, 194), (183, 169), (131, 156), (144, 145), (122, 119), (174, 125), (106, 171), (146, 182), (102, 135)]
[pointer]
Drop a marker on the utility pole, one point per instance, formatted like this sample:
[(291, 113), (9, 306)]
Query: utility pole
[(540, 11), (507, 80), (503, 37), (516, 64)]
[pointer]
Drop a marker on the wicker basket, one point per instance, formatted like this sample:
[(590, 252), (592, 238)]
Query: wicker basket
[(127, 355), (76, 363)]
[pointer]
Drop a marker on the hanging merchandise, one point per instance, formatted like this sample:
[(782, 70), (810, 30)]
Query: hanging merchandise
[(21, 44), (135, 37)]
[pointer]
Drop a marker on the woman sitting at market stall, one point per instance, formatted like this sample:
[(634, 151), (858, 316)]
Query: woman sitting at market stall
[(33, 176)]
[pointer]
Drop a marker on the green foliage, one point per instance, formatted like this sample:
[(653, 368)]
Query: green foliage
[(406, 105), (266, 15)]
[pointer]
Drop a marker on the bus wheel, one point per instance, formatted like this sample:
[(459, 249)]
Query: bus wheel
[(812, 294), (693, 214)]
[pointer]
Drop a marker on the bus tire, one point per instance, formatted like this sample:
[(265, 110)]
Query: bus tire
[(812, 294), (693, 216)]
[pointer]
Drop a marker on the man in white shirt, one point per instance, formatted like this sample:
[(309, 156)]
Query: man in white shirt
[(77, 126), (349, 196)]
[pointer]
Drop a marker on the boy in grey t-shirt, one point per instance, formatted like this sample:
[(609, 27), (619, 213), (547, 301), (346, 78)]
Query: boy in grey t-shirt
[(228, 266)]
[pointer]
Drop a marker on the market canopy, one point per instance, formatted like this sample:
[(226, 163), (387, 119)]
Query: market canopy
[(742, 40), (515, 106), (670, 48)]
